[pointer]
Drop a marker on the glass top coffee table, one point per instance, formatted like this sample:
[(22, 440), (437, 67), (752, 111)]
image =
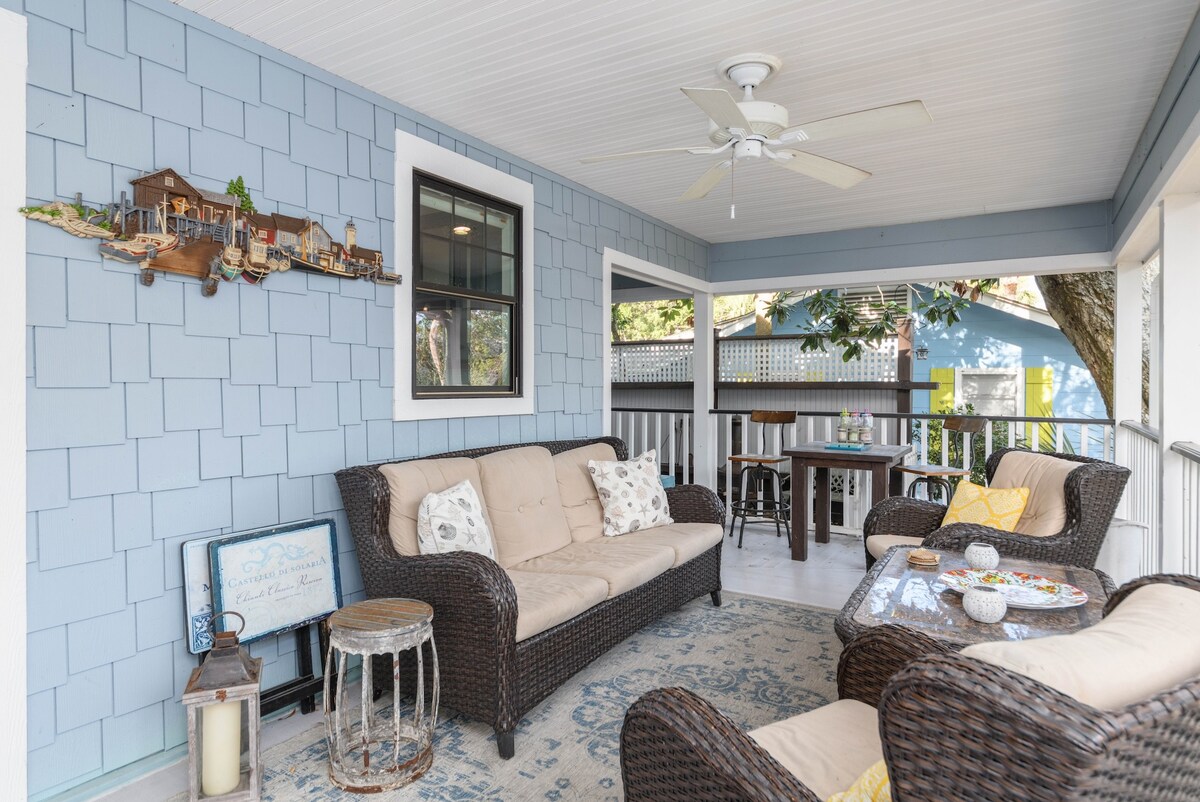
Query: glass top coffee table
[(896, 592)]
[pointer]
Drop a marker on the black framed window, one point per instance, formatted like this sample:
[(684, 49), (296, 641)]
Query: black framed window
[(466, 292)]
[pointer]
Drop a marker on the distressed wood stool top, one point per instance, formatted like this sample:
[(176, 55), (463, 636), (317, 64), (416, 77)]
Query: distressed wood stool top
[(378, 617)]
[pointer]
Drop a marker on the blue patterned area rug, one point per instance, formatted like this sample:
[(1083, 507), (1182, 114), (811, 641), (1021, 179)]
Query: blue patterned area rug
[(757, 660)]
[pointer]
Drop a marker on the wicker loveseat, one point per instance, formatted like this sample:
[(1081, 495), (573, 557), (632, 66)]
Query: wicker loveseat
[(510, 631), (959, 727), (1071, 506)]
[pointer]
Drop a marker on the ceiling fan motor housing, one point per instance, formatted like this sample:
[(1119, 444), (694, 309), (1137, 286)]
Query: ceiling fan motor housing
[(766, 118)]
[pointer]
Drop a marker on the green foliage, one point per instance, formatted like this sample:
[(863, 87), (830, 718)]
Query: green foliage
[(655, 320), (779, 308), (237, 188), (488, 352), (956, 442), (855, 327)]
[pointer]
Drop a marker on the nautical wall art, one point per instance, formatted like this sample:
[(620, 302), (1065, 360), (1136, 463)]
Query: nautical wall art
[(171, 226)]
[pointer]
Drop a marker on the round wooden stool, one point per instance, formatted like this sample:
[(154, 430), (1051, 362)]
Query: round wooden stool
[(379, 752)]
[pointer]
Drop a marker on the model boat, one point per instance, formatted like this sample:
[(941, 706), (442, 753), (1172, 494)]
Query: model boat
[(143, 247)]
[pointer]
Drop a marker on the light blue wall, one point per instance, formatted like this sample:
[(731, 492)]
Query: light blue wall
[(157, 416), (1056, 231)]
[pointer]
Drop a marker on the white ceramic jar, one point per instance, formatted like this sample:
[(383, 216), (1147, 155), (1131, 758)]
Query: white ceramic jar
[(984, 604), (982, 556)]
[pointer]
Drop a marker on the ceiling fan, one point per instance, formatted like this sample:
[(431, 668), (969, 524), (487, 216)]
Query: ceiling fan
[(752, 129)]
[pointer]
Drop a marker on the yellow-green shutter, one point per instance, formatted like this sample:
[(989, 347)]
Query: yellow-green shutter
[(942, 399), (1039, 403)]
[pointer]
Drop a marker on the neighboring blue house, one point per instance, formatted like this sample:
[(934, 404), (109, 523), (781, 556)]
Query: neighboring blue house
[(1004, 358)]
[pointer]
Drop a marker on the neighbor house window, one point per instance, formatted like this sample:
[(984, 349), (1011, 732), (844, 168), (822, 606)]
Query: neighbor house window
[(466, 292), (993, 392)]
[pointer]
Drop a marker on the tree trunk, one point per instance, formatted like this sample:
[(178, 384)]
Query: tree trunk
[(1082, 304), (763, 325)]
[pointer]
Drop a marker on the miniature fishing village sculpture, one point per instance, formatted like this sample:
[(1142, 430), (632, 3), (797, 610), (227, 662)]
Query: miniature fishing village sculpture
[(173, 227)]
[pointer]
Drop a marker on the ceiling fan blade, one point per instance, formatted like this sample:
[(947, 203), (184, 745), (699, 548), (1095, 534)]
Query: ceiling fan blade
[(720, 107), (840, 175), (870, 121), (701, 149), (706, 182)]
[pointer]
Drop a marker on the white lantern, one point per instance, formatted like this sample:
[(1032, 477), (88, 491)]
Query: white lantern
[(222, 700)]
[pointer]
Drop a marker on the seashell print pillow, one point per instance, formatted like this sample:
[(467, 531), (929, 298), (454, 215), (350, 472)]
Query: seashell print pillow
[(631, 493), (452, 520)]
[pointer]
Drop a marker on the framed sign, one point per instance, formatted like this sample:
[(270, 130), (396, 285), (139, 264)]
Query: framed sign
[(279, 579), (197, 592)]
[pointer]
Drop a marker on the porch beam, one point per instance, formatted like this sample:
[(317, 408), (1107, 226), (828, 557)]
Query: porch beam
[(704, 425), (1179, 354)]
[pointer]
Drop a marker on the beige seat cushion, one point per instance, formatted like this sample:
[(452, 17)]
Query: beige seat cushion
[(410, 482), (1149, 643), (827, 748), (1046, 511), (623, 565), (520, 491), (581, 502), (878, 544), (547, 600), (687, 540)]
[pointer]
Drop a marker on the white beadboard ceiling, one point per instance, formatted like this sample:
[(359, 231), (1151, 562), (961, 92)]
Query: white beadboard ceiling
[(1035, 103)]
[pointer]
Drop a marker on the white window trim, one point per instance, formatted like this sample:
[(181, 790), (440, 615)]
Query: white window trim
[(415, 153), (1018, 374)]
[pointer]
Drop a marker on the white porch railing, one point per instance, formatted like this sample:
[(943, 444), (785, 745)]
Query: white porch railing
[(1189, 497), (671, 432), (1143, 457), (751, 359)]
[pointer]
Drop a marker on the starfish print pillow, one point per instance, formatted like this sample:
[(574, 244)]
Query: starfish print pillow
[(452, 520), (631, 494)]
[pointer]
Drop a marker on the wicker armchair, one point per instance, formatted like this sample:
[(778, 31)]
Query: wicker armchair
[(937, 715), (1092, 492), (485, 673)]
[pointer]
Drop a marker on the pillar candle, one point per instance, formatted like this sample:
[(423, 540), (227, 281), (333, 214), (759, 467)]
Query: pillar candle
[(221, 748)]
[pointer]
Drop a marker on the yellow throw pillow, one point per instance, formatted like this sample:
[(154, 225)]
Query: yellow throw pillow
[(997, 508), (872, 786)]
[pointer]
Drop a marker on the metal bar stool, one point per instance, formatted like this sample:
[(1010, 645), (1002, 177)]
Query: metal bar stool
[(379, 752), (938, 476), (756, 470)]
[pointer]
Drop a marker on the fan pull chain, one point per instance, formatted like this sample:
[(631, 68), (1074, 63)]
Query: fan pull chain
[(732, 195)]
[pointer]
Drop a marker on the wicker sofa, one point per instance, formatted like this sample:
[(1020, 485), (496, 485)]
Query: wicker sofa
[(1121, 720), (510, 631), (1071, 505)]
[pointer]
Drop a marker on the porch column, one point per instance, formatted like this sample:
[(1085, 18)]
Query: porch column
[(1178, 375), (704, 425), (1127, 360)]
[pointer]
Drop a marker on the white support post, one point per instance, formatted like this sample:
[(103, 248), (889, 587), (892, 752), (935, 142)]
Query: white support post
[(13, 739), (1127, 359), (704, 431), (1179, 353)]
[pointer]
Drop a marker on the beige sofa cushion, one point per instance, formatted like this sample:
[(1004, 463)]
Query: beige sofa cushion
[(547, 600), (623, 565), (827, 748), (410, 482), (581, 502), (521, 494), (1046, 511), (877, 545), (686, 540), (1149, 643)]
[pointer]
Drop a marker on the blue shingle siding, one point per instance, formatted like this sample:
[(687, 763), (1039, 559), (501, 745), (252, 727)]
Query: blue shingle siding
[(156, 415)]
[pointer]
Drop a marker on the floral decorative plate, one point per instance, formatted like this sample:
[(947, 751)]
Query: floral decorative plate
[(1022, 591)]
